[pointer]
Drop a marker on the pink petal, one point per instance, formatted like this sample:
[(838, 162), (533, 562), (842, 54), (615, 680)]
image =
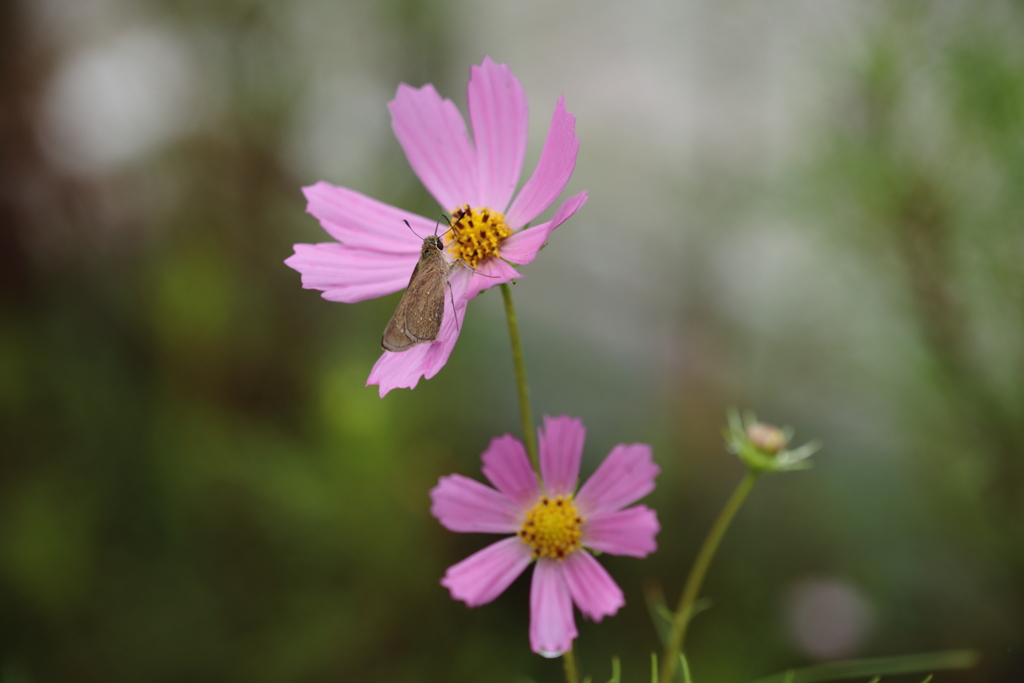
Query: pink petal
[(557, 161), (561, 447), (486, 574), (491, 273), (591, 587), (522, 247), (350, 275), (499, 116), (433, 134), (403, 370), (623, 532), (552, 627), (462, 504), (625, 476), (356, 220), (508, 468)]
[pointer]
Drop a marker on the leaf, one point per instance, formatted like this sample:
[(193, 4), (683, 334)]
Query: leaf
[(661, 615), (876, 666), (616, 671), (685, 668)]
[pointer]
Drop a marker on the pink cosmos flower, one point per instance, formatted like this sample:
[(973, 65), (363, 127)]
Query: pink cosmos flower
[(375, 252), (552, 526)]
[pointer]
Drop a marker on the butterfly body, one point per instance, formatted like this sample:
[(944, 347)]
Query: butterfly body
[(417, 320)]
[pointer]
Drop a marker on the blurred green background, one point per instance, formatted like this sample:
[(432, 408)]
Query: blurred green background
[(810, 209)]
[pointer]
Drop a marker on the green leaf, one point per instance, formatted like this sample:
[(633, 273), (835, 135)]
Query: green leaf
[(876, 666), (661, 615), (685, 668), (699, 605), (616, 671)]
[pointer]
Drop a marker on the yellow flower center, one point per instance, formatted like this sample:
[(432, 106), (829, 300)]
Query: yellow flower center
[(552, 527), (476, 234)]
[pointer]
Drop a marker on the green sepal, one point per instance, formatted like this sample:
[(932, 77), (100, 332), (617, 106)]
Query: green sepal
[(739, 443)]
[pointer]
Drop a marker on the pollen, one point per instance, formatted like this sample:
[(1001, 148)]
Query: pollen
[(476, 234), (552, 528)]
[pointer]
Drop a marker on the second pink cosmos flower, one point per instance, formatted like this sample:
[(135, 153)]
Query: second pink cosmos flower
[(375, 252), (552, 525)]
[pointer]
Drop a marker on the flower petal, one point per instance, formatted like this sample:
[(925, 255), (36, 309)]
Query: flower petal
[(356, 220), (433, 134), (623, 532), (557, 161), (350, 275), (625, 476), (592, 589), (463, 504), (522, 247), (403, 370), (552, 627), (508, 468), (486, 574), (499, 116), (490, 273), (561, 447)]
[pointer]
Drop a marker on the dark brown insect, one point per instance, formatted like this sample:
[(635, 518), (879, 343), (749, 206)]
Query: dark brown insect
[(417, 320)]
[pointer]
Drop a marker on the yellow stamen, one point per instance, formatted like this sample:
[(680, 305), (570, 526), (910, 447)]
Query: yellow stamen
[(552, 528), (476, 234)]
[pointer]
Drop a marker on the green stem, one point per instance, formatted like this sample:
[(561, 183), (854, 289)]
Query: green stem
[(525, 414), (569, 660), (697, 573)]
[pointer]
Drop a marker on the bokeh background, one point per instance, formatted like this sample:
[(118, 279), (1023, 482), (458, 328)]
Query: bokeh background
[(809, 209)]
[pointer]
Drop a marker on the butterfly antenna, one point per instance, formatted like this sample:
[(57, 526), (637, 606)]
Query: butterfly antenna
[(451, 226), (410, 228)]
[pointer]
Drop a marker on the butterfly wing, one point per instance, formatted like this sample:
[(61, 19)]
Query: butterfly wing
[(417, 319), (424, 315)]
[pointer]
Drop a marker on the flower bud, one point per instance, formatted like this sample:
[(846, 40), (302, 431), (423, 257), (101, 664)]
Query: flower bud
[(766, 437), (763, 447)]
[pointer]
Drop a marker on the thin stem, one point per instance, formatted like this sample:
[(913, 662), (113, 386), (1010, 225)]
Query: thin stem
[(525, 414), (697, 573), (569, 660)]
